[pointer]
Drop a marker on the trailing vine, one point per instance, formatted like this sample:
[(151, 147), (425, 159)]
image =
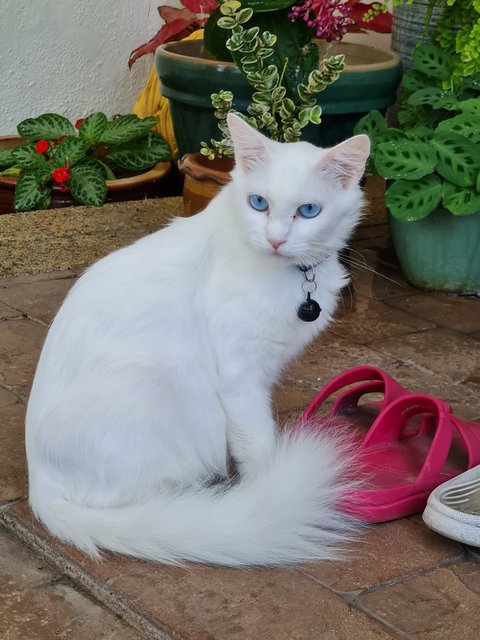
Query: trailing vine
[(281, 117)]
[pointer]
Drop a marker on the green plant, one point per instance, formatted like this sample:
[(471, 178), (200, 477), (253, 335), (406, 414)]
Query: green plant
[(433, 158), (79, 158), (281, 106)]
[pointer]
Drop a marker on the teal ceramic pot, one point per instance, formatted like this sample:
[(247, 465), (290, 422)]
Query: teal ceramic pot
[(440, 252), (189, 75)]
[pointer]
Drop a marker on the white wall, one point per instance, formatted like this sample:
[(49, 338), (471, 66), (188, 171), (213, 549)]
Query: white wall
[(70, 56)]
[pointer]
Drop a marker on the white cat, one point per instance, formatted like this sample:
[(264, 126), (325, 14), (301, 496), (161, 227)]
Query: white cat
[(160, 363)]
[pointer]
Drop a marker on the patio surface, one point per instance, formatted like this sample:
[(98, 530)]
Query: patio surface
[(400, 581)]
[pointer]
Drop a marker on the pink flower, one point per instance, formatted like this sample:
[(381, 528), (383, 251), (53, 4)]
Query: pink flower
[(328, 18)]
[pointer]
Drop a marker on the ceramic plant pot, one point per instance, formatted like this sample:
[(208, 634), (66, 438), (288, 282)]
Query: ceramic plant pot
[(189, 75), (440, 252), (203, 180), (149, 184)]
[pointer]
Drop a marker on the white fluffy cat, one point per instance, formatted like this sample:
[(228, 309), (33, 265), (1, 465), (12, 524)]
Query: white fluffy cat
[(160, 363)]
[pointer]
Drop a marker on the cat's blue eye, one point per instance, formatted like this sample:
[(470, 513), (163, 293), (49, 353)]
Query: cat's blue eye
[(259, 203), (309, 210)]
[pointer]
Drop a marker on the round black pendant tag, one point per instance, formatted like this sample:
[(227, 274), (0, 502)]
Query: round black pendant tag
[(309, 310)]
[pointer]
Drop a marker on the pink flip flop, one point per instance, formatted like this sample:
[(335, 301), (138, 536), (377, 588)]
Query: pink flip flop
[(346, 409), (400, 473)]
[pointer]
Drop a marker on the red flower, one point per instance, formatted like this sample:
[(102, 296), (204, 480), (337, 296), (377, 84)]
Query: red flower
[(78, 123), (41, 146), (61, 174)]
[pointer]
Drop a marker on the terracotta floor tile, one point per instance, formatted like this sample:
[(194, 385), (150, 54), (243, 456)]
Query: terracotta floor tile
[(36, 299), (440, 350), (34, 606), (387, 551), (450, 311), (439, 605), (20, 345), (372, 320), (205, 603), (13, 470)]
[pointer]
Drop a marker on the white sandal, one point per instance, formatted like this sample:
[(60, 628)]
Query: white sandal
[(453, 508)]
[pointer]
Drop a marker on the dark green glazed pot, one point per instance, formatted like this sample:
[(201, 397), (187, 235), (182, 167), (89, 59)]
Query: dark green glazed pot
[(440, 252), (189, 75)]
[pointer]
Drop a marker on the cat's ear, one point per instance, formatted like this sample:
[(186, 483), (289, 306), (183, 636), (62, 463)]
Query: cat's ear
[(346, 161), (249, 145)]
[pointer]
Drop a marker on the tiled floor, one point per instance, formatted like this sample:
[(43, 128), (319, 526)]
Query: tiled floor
[(401, 580)]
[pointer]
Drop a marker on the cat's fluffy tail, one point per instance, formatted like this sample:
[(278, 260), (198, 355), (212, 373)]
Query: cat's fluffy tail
[(287, 513)]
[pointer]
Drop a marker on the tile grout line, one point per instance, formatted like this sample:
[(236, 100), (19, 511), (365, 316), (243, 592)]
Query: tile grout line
[(85, 583)]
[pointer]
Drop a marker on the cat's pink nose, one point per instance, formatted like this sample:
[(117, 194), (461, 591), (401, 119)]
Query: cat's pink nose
[(276, 243)]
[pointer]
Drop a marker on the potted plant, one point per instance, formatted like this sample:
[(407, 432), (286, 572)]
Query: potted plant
[(432, 167), (55, 163), (192, 70)]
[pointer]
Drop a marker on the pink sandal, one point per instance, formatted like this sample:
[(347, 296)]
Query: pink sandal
[(399, 472), (346, 409)]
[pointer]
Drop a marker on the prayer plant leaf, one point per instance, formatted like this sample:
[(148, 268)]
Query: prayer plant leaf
[(432, 61), (404, 159), (409, 200), (458, 158), (460, 201), (464, 125)]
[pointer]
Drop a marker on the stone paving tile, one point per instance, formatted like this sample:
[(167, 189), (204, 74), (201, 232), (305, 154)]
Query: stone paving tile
[(386, 552), (34, 606), (205, 603), (450, 311), (13, 471), (439, 605), (20, 344), (440, 350), (39, 299), (371, 320), (7, 313), (382, 283)]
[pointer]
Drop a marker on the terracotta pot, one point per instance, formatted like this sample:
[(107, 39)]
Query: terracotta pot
[(203, 180), (139, 187)]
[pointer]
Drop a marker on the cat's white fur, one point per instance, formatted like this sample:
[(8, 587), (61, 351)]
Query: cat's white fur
[(161, 361)]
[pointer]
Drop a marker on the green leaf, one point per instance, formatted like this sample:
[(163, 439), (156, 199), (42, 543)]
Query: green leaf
[(6, 157), (48, 126), (125, 128), (372, 124), (93, 127), (414, 80), (87, 185), (420, 132), (226, 22), (140, 155), (428, 96), (405, 159), (27, 157), (413, 200), (390, 135), (316, 114), (470, 107), (70, 151), (447, 101), (459, 200), (266, 5), (478, 183), (464, 125), (458, 158), (432, 61), (29, 194)]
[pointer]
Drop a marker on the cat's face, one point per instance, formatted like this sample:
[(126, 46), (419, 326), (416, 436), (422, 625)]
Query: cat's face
[(296, 202)]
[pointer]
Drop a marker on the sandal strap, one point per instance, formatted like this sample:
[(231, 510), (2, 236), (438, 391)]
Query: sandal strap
[(392, 421), (374, 380)]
